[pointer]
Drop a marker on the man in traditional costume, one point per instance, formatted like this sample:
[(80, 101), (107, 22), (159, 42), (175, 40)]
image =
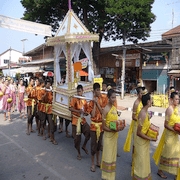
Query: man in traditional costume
[(41, 113), (52, 124), (78, 107), (31, 105), (38, 97), (96, 132)]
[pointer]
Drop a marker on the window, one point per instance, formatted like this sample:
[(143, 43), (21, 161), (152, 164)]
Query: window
[(6, 61)]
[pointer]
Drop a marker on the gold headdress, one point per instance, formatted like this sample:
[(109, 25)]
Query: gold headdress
[(172, 90), (144, 92), (140, 83), (108, 88), (8, 78)]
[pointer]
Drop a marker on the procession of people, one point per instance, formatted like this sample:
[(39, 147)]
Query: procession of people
[(103, 128)]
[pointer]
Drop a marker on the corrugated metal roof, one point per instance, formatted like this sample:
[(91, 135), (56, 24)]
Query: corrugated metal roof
[(174, 72), (172, 32), (39, 62)]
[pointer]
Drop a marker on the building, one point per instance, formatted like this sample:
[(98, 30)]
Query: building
[(11, 59), (42, 56), (173, 36), (146, 61), (155, 66)]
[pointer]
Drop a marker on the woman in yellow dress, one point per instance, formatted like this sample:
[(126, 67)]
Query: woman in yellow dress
[(141, 167), (167, 153), (110, 137), (137, 106)]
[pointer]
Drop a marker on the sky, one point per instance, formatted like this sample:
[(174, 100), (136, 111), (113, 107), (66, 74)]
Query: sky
[(166, 11)]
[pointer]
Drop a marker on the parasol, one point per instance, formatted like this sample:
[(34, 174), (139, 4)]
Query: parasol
[(48, 73), (83, 73)]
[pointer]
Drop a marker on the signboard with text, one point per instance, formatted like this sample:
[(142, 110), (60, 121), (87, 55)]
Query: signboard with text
[(25, 26), (156, 57)]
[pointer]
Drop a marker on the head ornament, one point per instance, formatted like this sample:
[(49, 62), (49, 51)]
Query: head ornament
[(144, 92)]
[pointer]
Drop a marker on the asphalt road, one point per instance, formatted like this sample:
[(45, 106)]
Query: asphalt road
[(25, 157)]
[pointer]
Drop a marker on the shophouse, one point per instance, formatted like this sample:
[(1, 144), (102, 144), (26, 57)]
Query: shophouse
[(146, 61), (173, 36)]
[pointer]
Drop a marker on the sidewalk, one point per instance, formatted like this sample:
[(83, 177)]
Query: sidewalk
[(128, 101)]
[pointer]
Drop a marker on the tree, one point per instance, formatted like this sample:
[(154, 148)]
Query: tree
[(132, 19), (112, 19)]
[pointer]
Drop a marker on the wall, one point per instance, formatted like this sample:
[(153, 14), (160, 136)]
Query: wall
[(46, 53), (158, 75), (14, 55)]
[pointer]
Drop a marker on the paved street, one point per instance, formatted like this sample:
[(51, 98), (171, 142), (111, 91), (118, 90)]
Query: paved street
[(25, 157)]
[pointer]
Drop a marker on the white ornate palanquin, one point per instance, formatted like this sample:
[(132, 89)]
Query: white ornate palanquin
[(71, 38)]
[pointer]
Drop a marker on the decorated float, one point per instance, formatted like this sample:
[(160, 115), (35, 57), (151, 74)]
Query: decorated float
[(73, 42)]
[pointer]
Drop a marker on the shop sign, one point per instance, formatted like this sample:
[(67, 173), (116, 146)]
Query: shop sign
[(131, 56), (117, 63), (137, 63), (155, 57)]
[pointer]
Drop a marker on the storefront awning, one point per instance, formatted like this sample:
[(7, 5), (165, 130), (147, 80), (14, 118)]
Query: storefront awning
[(39, 62), (24, 70), (175, 73)]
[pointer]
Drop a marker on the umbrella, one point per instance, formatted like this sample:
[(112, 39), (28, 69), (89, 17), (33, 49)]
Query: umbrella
[(83, 73), (48, 73)]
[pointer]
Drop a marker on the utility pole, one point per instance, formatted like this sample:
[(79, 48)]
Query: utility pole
[(23, 45), (123, 66), (9, 60)]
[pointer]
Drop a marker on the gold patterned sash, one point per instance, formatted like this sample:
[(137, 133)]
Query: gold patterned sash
[(98, 129)]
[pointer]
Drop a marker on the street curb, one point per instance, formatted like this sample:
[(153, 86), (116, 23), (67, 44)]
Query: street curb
[(153, 113)]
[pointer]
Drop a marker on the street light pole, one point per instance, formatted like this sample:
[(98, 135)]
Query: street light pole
[(23, 45)]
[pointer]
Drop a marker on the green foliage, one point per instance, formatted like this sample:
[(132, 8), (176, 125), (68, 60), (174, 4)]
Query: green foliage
[(110, 18), (131, 18), (1, 73), (18, 75)]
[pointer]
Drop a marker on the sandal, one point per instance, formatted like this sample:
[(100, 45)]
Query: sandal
[(44, 137), (54, 142), (162, 175), (28, 133), (78, 157), (60, 131), (32, 131), (68, 136), (85, 150), (92, 169)]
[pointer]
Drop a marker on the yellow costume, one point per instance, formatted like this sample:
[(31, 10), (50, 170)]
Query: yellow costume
[(167, 153), (132, 130), (141, 168), (108, 163)]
